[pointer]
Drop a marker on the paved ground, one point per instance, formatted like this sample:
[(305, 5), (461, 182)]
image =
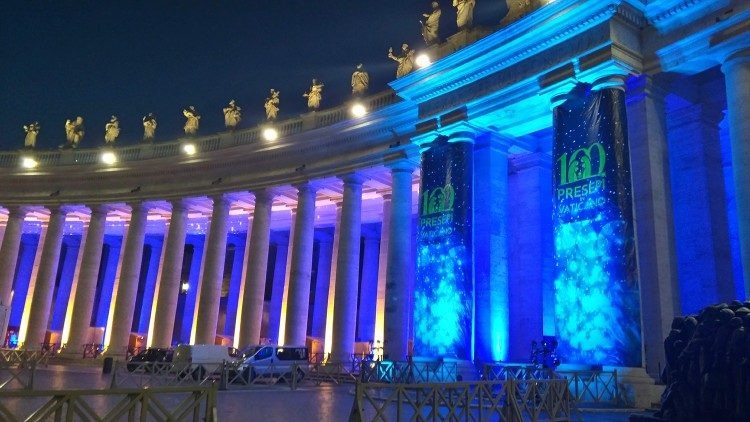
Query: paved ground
[(273, 403)]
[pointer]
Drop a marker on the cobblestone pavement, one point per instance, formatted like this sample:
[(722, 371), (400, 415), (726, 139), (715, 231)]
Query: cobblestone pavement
[(273, 403)]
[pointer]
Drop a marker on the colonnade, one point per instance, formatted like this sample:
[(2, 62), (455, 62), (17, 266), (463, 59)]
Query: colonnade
[(206, 315)]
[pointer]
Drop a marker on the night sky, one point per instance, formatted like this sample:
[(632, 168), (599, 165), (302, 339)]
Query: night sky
[(63, 59)]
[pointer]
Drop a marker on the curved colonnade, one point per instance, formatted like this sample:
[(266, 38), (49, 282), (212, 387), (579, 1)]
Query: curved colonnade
[(317, 227)]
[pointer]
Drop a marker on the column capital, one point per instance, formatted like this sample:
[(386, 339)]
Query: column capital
[(103, 208), (735, 57), (613, 81), (495, 141), (385, 194), (353, 178), (18, 209), (222, 198), (265, 195), (308, 186), (180, 204), (404, 165)]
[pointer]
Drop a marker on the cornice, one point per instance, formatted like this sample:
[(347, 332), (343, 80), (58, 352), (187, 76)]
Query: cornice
[(542, 29)]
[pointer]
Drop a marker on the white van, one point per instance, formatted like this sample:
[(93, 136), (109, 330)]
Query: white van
[(273, 360), (203, 358)]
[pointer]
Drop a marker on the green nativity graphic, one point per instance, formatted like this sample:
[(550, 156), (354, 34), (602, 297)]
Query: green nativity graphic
[(581, 180), (437, 211)]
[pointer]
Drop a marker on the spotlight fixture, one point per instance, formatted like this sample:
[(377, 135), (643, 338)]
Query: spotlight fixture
[(270, 134), (185, 287), (29, 162), (358, 110), (189, 149), (108, 157), (423, 60)]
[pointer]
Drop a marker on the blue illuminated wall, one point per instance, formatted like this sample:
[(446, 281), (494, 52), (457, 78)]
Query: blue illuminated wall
[(444, 290), (24, 267), (597, 305), (69, 251)]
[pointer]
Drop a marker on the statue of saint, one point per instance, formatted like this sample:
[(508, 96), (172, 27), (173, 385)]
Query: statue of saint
[(360, 81), (464, 13), (314, 96), (405, 60), (31, 131), (193, 120), (232, 115), (74, 132), (272, 105), (149, 127), (111, 130), (431, 24)]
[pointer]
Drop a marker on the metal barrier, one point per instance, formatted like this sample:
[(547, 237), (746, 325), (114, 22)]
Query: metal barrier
[(512, 400), (586, 387), (92, 350), (173, 404), (333, 372), (17, 377), (235, 375), (163, 374), (20, 357), (408, 372), (593, 387)]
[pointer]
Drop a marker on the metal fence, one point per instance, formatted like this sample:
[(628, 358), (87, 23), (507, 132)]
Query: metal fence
[(586, 387), (512, 400), (17, 377), (20, 357), (408, 372), (192, 403)]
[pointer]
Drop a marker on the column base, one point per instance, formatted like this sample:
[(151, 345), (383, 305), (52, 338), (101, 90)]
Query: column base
[(637, 388)]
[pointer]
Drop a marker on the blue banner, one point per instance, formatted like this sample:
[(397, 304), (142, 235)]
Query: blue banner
[(597, 299), (443, 291)]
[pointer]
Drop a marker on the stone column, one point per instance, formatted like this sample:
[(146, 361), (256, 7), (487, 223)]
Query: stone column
[(382, 270), (171, 273), (347, 270), (368, 285), (736, 70), (127, 286), (301, 267), (39, 311), (80, 320), (530, 296), (255, 277), (397, 292), (9, 252), (213, 274), (330, 310), (654, 222)]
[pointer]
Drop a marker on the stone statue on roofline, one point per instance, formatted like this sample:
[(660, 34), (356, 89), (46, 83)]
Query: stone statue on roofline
[(32, 130), (272, 105), (232, 115), (360, 80), (74, 132), (464, 13), (431, 24), (149, 127), (193, 120), (314, 96), (405, 60), (111, 130)]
